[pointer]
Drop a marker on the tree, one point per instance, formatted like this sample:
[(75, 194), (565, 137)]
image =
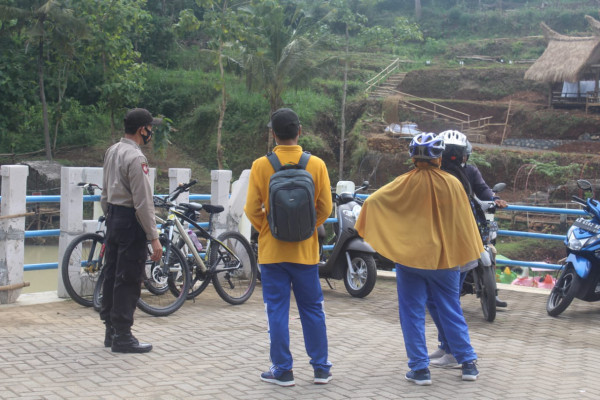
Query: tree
[(225, 25), (48, 25), (281, 53), (114, 27), (346, 13)]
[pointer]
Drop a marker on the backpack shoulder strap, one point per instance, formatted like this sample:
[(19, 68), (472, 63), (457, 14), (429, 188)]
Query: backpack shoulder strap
[(274, 160), (304, 160)]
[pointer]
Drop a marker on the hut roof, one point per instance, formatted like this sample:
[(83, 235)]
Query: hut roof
[(567, 58), (594, 24)]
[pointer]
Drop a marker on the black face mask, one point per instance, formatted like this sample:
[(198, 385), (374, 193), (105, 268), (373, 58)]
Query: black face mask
[(146, 139)]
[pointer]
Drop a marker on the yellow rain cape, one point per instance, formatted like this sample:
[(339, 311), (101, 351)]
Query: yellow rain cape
[(422, 219)]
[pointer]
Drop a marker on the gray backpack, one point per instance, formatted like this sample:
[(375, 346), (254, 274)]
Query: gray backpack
[(292, 215)]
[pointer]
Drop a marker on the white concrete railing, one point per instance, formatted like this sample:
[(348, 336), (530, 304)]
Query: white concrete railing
[(12, 231), (72, 224)]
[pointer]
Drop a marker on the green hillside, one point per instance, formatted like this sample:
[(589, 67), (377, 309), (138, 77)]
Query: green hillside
[(96, 58)]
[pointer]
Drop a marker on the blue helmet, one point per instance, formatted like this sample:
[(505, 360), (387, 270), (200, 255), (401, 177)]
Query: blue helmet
[(426, 146)]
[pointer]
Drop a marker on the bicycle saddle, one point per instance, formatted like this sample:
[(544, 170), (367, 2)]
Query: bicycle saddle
[(211, 209), (191, 206)]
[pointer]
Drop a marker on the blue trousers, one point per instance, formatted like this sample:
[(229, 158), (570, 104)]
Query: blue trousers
[(412, 286), (277, 282), (433, 311)]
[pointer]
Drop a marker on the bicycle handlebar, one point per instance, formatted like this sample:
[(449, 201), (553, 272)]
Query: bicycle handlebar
[(89, 187), (167, 203), (183, 187)]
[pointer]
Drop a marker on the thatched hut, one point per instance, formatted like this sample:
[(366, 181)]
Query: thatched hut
[(569, 59)]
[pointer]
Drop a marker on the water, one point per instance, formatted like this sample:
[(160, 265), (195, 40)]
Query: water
[(42, 280)]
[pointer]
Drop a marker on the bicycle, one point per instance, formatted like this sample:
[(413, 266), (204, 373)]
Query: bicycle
[(82, 272), (230, 262)]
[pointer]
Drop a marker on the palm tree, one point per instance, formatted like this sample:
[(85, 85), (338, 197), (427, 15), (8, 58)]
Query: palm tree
[(45, 22), (281, 53)]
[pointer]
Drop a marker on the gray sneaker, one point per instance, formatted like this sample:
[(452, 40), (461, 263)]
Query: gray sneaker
[(445, 361), (437, 354)]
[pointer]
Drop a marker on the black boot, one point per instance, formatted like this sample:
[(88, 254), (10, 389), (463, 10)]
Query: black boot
[(500, 303), (108, 335), (126, 343)]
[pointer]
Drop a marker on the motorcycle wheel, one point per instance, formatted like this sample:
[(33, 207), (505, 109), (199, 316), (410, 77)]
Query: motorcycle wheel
[(487, 282), (360, 278), (563, 292)]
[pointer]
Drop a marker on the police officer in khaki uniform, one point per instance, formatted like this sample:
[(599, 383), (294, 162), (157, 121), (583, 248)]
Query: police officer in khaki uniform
[(127, 203)]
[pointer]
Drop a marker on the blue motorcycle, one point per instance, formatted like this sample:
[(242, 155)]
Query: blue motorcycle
[(581, 269)]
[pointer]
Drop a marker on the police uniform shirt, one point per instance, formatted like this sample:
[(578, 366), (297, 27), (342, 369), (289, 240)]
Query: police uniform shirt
[(126, 183)]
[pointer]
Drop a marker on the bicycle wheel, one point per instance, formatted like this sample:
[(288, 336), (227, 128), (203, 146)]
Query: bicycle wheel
[(234, 281), (81, 266), (177, 275), (157, 281), (200, 280)]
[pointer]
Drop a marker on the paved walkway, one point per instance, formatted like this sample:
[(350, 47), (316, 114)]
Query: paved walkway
[(212, 350)]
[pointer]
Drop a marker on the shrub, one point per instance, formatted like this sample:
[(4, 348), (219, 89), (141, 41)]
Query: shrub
[(175, 93), (308, 104)]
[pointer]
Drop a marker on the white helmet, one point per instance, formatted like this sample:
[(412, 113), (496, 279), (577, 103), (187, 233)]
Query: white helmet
[(454, 137)]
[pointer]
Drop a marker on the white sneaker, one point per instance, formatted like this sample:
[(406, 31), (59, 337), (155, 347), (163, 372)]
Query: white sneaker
[(437, 354), (446, 361)]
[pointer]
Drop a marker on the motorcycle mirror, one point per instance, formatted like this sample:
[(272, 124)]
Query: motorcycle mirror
[(498, 187), (584, 185), (365, 184)]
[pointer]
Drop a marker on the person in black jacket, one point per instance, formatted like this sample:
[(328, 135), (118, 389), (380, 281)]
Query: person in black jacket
[(454, 160)]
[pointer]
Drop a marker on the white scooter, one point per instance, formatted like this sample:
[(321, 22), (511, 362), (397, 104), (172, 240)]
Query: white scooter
[(351, 258)]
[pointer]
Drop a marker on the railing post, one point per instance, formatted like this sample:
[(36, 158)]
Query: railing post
[(72, 223), (92, 175), (219, 195), (177, 176), (71, 215), (236, 220), (12, 231)]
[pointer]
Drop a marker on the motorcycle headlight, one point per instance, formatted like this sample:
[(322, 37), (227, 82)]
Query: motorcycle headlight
[(573, 242), (356, 211)]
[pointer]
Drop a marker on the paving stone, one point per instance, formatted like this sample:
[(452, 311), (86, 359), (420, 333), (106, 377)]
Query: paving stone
[(211, 350)]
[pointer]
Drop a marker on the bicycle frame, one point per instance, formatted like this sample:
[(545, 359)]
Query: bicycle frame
[(90, 188), (95, 265), (174, 221)]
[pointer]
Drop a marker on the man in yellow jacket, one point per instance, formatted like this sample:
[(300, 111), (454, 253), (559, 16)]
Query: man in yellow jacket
[(290, 265), (422, 221)]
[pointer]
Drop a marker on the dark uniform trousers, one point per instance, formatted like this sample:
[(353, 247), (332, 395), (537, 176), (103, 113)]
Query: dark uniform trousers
[(125, 259)]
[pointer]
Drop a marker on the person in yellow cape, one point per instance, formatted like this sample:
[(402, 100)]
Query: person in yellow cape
[(422, 222)]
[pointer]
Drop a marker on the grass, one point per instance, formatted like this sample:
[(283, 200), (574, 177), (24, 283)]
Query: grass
[(525, 249)]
